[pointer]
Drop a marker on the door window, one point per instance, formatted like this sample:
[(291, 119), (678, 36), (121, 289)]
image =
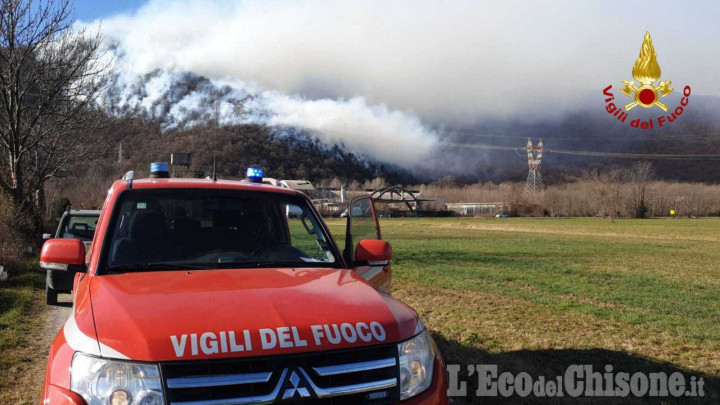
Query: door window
[(306, 236), (362, 224)]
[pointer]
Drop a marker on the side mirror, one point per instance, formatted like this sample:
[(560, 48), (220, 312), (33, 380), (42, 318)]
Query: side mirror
[(374, 252), (63, 254), (47, 236)]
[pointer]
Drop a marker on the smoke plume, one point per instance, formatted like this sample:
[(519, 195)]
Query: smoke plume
[(381, 76)]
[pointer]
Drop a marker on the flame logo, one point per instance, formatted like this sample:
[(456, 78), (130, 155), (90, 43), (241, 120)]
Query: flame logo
[(646, 69)]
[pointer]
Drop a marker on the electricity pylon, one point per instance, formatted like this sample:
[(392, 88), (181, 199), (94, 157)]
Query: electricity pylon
[(534, 182)]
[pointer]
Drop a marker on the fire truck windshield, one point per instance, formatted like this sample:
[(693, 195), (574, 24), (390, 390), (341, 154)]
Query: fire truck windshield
[(172, 229)]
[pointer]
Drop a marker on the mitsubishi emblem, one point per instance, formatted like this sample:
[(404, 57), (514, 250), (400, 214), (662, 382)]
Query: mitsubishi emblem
[(296, 387)]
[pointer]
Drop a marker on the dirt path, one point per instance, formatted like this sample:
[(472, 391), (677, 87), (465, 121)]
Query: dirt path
[(30, 380)]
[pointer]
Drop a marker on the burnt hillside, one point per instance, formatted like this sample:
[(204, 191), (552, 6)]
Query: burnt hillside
[(282, 153)]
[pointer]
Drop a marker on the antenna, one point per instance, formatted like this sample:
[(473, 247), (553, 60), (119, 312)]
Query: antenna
[(217, 131), (534, 182)]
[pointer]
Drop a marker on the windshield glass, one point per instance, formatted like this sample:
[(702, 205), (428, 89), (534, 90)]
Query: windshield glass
[(79, 227), (204, 229)]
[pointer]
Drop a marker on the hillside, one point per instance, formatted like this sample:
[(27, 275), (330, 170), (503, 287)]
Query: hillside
[(588, 128), (282, 153), (162, 111)]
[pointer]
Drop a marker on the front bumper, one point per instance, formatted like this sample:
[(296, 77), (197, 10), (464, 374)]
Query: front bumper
[(435, 395), (52, 394)]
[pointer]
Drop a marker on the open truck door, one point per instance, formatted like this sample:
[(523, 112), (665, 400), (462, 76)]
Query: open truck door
[(365, 251)]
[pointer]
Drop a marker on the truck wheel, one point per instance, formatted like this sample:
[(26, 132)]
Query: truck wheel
[(50, 296)]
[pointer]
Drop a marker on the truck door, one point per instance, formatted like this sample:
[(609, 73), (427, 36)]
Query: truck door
[(362, 223)]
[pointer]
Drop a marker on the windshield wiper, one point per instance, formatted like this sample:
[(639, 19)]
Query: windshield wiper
[(152, 267)]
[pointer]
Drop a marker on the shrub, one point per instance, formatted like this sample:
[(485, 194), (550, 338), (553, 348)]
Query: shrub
[(13, 244)]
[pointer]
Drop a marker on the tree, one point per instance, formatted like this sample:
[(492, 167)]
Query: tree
[(375, 184), (50, 78), (609, 192), (640, 176)]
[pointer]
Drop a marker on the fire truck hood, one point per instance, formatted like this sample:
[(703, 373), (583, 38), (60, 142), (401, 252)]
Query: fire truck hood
[(200, 314)]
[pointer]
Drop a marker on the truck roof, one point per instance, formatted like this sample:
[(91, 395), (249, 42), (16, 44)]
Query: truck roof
[(202, 183), (85, 212), (298, 184)]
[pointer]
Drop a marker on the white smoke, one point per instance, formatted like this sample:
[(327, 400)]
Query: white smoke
[(183, 99), (365, 73), (374, 130)]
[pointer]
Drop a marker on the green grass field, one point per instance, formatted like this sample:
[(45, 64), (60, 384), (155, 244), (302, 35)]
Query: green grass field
[(21, 306), (541, 294)]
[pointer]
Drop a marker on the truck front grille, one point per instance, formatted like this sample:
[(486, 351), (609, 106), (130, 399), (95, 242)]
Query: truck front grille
[(364, 375)]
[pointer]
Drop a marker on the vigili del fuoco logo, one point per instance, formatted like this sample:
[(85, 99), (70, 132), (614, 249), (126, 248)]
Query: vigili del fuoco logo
[(646, 71)]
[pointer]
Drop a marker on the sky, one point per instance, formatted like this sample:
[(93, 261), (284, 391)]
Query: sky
[(434, 63), (89, 10)]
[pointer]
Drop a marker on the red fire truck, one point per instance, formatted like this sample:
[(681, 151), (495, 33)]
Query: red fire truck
[(209, 292)]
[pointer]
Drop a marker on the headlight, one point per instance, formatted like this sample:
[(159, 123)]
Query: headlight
[(111, 382), (416, 365)]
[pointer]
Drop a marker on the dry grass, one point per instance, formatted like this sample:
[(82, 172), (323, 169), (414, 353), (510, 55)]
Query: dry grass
[(23, 345), (516, 335), (538, 295)]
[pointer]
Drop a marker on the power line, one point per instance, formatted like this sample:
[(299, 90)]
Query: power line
[(698, 136), (621, 155)]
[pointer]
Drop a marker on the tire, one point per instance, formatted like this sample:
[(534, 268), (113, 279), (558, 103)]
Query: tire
[(50, 296)]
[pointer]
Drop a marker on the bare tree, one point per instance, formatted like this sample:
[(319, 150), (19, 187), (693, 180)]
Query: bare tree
[(50, 78), (640, 176), (609, 192), (375, 184)]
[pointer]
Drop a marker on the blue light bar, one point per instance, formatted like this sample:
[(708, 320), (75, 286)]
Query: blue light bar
[(254, 174), (159, 170)]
